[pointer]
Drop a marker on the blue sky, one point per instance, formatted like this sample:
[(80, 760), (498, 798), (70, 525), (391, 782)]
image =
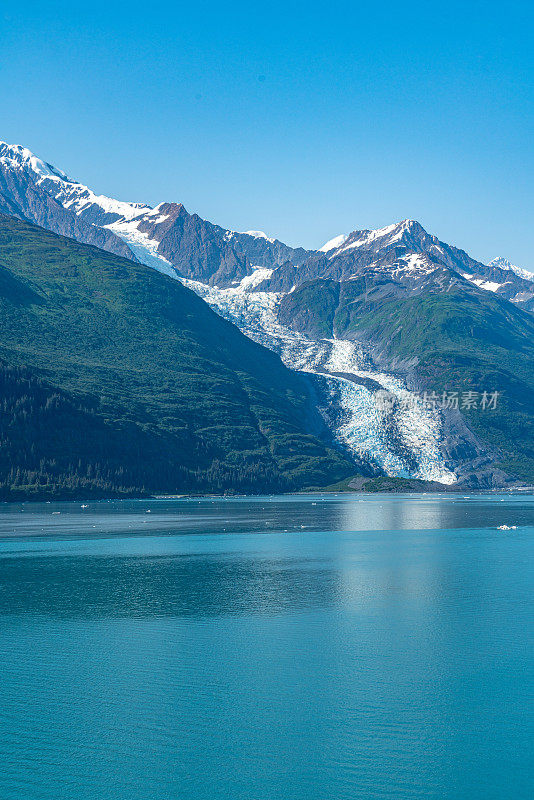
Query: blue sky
[(304, 120)]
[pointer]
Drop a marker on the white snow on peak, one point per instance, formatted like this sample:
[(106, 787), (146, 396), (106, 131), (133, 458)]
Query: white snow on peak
[(392, 232), (334, 243), (81, 198), (22, 157), (155, 216), (503, 263), (69, 193), (259, 235)]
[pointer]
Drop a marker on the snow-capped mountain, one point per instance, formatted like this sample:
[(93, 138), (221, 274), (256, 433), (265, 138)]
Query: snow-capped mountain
[(300, 303), (333, 244), (172, 239), (34, 190), (77, 198), (167, 234), (503, 263), (409, 258)]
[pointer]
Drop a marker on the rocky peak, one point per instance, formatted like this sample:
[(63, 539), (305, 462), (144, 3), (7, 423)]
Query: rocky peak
[(407, 232), (503, 263)]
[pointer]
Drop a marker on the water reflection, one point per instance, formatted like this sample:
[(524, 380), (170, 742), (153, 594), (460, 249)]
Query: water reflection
[(196, 585), (381, 551), (377, 649), (256, 515)]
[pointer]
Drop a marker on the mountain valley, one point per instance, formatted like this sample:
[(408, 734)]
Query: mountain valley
[(374, 323)]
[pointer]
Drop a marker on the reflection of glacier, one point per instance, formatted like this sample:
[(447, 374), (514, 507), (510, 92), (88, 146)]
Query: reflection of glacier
[(403, 439)]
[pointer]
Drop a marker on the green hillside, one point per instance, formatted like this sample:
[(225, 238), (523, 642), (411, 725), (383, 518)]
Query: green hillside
[(117, 380)]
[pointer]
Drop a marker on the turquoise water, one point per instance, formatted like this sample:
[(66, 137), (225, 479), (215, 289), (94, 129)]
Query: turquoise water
[(295, 648)]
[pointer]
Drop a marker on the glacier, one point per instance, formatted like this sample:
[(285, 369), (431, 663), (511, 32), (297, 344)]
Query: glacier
[(403, 439), (401, 443), (400, 436)]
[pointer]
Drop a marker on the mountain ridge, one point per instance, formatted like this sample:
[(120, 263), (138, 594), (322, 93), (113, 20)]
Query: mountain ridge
[(329, 312), (239, 252)]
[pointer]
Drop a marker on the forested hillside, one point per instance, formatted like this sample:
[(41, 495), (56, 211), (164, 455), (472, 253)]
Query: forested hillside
[(117, 380)]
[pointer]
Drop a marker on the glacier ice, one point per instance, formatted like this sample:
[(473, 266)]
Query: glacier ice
[(404, 443)]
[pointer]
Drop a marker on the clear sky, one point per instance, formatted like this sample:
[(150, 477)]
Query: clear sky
[(304, 120)]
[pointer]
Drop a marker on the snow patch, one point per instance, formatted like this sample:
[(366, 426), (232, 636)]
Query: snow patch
[(142, 246), (259, 275), (522, 297), (158, 217), (482, 283), (415, 262), (489, 286), (259, 235), (334, 243)]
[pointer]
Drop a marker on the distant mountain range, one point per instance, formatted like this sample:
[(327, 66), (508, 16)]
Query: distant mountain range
[(41, 193), (372, 315)]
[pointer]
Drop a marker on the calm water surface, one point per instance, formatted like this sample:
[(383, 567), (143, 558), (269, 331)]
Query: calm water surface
[(295, 648)]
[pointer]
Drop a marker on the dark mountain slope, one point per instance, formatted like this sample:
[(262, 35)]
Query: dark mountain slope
[(205, 252), (117, 378)]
